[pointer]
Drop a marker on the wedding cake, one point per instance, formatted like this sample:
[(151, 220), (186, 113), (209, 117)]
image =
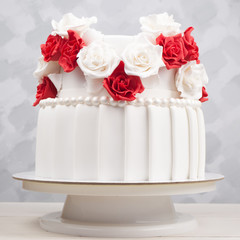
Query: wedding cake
[(120, 108)]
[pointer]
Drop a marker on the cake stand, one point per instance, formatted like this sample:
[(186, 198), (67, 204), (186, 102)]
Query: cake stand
[(118, 209)]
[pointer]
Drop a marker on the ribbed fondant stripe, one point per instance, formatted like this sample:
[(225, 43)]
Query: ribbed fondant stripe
[(173, 176), (202, 144), (160, 149), (45, 146), (149, 152), (64, 151), (125, 147), (180, 143), (136, 151), (150, 142), (193, 142), (86, 142), (112, 143), (99, 137)]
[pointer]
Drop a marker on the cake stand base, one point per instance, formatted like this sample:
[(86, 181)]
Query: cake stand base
[(118, 209), (118, 217)]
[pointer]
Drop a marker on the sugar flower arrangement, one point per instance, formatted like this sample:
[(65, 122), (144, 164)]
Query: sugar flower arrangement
[(161, 43)]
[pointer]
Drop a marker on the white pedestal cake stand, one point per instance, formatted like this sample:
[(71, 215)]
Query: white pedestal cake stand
[(118, 209)]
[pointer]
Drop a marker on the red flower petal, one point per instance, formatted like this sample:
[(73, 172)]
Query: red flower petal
[(122, 86), (45, 90), (68, 58), (190, 45), (51, 50), (204, 95), (174, 51)]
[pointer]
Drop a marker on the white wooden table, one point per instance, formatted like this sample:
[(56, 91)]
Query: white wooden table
[(216, 221)]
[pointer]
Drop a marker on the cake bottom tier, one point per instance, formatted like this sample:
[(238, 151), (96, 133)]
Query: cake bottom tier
[(112, 143)]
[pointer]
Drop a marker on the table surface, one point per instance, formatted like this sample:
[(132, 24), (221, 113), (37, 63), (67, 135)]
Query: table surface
[(216, 221)]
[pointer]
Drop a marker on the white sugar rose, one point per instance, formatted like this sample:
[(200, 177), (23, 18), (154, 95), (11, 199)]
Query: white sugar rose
[(190, 79), (97, 60), (160, 23), (69, 21), (46, 68), (142, 58)]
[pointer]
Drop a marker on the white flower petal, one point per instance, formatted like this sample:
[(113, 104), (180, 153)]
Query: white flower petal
[(97, 60), (160, 23), (142, 58), (69, 21), (190, 79), (46, 68)]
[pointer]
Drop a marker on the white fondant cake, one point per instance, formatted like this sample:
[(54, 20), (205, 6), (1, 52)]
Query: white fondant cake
[(120, 108)]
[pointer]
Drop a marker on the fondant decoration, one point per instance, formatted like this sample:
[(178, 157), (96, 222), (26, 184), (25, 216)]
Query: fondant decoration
[(190, 45), (46, 89), (122, 86), (51, 50), (70, 22), (69, 51), (46, 68), (190, 80), (105, 100), (74, 44), (97, 60), (160, 24), (204, 97), (142, 58), (174, 50)]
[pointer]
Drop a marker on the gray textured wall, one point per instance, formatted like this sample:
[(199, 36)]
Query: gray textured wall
[(24, 25)]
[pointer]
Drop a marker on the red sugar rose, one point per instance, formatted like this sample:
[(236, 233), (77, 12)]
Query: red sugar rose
[(204, 95), (174, 50), (122, 86), (45, 90), (70, 50), (190, 45), (51, 50)]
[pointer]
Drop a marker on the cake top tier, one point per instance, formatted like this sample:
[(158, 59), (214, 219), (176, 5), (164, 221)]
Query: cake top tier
[(159, 62)]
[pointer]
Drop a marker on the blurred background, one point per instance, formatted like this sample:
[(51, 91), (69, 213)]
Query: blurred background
[(25, 24)]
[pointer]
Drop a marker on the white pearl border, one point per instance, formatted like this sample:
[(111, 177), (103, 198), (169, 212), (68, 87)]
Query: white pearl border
[(96, 101)]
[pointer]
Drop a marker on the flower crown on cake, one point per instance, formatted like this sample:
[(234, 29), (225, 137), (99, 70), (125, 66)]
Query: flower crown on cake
[(73, 44)]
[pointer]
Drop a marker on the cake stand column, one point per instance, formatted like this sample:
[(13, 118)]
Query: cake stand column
[(118, 216), (118, 209)]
